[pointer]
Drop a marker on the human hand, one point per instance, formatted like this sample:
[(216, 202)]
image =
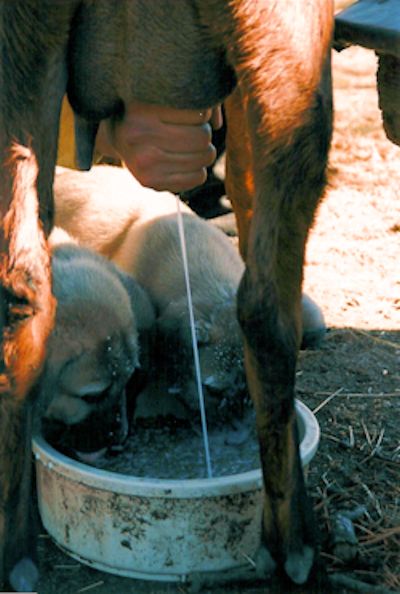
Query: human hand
[(164, 148)]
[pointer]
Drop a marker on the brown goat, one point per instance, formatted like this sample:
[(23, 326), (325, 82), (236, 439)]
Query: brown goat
[(275, 55)]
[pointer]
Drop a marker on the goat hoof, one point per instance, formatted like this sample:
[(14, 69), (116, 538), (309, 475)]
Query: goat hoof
[(299, 564), (24, 575)]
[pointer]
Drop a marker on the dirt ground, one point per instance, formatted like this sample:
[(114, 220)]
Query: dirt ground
[(353, 381)]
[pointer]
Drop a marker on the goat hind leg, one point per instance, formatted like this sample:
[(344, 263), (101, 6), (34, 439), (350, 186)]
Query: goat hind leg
[(28, 310), (289, 181)]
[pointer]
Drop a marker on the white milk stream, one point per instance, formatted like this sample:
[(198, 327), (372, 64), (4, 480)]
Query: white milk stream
[(194, 339)]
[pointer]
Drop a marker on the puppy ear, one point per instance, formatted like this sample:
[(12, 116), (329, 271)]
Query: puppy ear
[(174, 342), (141, 305), (145, 317), (202, 332), (174, 323)]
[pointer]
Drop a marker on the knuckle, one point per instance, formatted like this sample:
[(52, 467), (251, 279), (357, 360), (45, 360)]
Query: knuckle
[(146, 158), (144, 169), (201, 177), (185, 182), (134, 133), (211, 155), (207, 133)]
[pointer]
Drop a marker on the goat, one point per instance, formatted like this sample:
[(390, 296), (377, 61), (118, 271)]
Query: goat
[(270, 61)]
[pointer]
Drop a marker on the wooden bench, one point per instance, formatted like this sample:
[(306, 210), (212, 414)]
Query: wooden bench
[(375, 24)]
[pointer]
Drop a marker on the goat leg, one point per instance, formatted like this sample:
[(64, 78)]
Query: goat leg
[(33, 71), (289, 126), (27, 314)]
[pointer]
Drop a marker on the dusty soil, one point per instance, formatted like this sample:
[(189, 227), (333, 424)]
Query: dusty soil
[(352, 271), (353, 380)]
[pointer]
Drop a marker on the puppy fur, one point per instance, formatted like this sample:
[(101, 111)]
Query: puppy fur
[(107, 210), (103, 317)]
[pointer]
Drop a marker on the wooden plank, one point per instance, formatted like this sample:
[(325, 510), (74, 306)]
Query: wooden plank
[(374, 24)]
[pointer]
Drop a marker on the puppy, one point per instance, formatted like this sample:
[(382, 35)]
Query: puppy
[(135, 227), (152, 254), (103, 318), (99, 207)]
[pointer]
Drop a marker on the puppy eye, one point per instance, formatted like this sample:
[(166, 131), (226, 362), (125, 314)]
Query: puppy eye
[(93, 392), (213, 386), (94, 397)]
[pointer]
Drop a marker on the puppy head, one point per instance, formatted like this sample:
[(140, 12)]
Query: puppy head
[(221, 358), (92, 353), (221, 362)]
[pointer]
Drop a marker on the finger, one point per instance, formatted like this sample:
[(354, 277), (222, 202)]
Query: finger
[(171, 137), (189, 139), (172, 182), (147, 117), (185, 162), (150, 162), (182, 182), (216, 118)]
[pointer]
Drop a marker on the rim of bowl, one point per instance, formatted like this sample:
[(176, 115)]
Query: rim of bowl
[(169, 488)]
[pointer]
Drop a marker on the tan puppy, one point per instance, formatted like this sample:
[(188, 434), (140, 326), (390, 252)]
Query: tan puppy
[(107, 210), (152, 254), (102, 319), (99, 207)]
